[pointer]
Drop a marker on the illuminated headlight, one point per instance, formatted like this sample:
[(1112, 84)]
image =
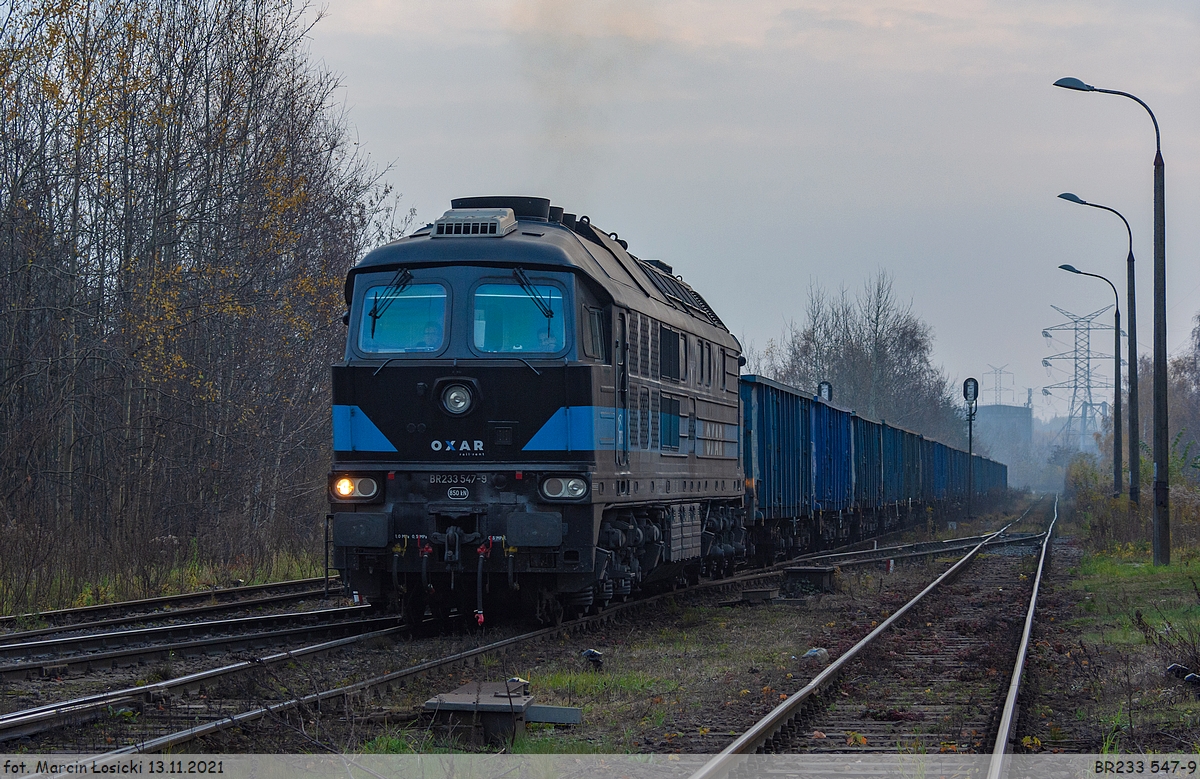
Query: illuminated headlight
[(456, 399), (561, 487), (350, 487)]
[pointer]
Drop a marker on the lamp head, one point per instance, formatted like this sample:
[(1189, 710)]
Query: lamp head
[(1070, 269), (1073, 198), (1074, 83)]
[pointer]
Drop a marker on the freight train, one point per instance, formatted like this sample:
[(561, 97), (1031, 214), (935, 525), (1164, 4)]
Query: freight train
[(529, 417)]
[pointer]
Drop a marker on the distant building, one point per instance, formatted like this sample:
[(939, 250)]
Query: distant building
[(1007, 431)]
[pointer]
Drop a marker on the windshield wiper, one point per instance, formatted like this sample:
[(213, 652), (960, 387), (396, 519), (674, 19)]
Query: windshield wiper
[(533, 293), (399, 283)]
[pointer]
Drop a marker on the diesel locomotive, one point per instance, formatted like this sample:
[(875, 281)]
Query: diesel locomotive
[(530, 417), (527, 411)]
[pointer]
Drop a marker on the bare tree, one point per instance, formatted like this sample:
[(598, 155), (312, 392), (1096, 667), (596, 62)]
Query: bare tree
[(179, 202), (878, 355)]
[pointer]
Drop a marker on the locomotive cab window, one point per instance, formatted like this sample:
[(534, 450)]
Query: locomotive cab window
[(398, 318), (512, 318), (595, 339)]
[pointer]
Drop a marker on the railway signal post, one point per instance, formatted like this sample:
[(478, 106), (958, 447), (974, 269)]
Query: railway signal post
[(971, 395)]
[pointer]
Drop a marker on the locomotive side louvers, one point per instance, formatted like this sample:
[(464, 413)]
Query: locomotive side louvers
[(683, 532)]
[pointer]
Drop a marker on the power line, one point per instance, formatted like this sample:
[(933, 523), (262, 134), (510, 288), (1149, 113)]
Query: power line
[(1084, 412), (998, 387)]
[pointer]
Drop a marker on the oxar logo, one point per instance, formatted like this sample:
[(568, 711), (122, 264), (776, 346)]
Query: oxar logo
[(461, 447)]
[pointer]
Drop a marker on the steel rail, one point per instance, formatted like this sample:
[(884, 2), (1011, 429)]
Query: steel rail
[(52, 666), (1011, 540), (54, 647), (152, 616), (1008, 720), (766, 728), (224, 592), (40, 719), (885, 550)]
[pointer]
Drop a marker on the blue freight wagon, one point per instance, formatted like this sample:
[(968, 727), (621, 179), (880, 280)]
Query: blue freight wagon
[(868, 463), (833, 458), (777, 449), (816, 473)]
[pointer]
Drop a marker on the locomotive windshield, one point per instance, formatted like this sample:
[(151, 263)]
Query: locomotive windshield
[(513, 318), (403, 319)]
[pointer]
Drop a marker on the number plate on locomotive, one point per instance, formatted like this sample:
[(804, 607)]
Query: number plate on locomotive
[(458, 478)]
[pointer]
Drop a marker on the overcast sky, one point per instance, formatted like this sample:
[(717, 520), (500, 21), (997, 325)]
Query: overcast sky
[(763, 146)]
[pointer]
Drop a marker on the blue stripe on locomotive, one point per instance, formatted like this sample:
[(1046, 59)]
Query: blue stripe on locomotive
[(353, 431), (577, 429)]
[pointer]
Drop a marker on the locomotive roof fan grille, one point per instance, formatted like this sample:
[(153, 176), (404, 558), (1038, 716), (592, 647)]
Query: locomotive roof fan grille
[(475, 222)]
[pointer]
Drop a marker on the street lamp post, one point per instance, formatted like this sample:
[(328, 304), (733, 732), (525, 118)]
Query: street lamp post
[(1116, 379), (1135, 453), (1162, 505)]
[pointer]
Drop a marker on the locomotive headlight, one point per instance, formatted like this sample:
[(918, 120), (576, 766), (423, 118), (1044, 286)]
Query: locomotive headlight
[(553, 488), (456, 399), (352, 487), (564, 488)]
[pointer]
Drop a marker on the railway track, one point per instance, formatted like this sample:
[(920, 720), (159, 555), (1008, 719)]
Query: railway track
[(55, 647), (931, 678), (124, 612), (80, 654), (168, 713), (164, 615), (81, 710), (915, 550)]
